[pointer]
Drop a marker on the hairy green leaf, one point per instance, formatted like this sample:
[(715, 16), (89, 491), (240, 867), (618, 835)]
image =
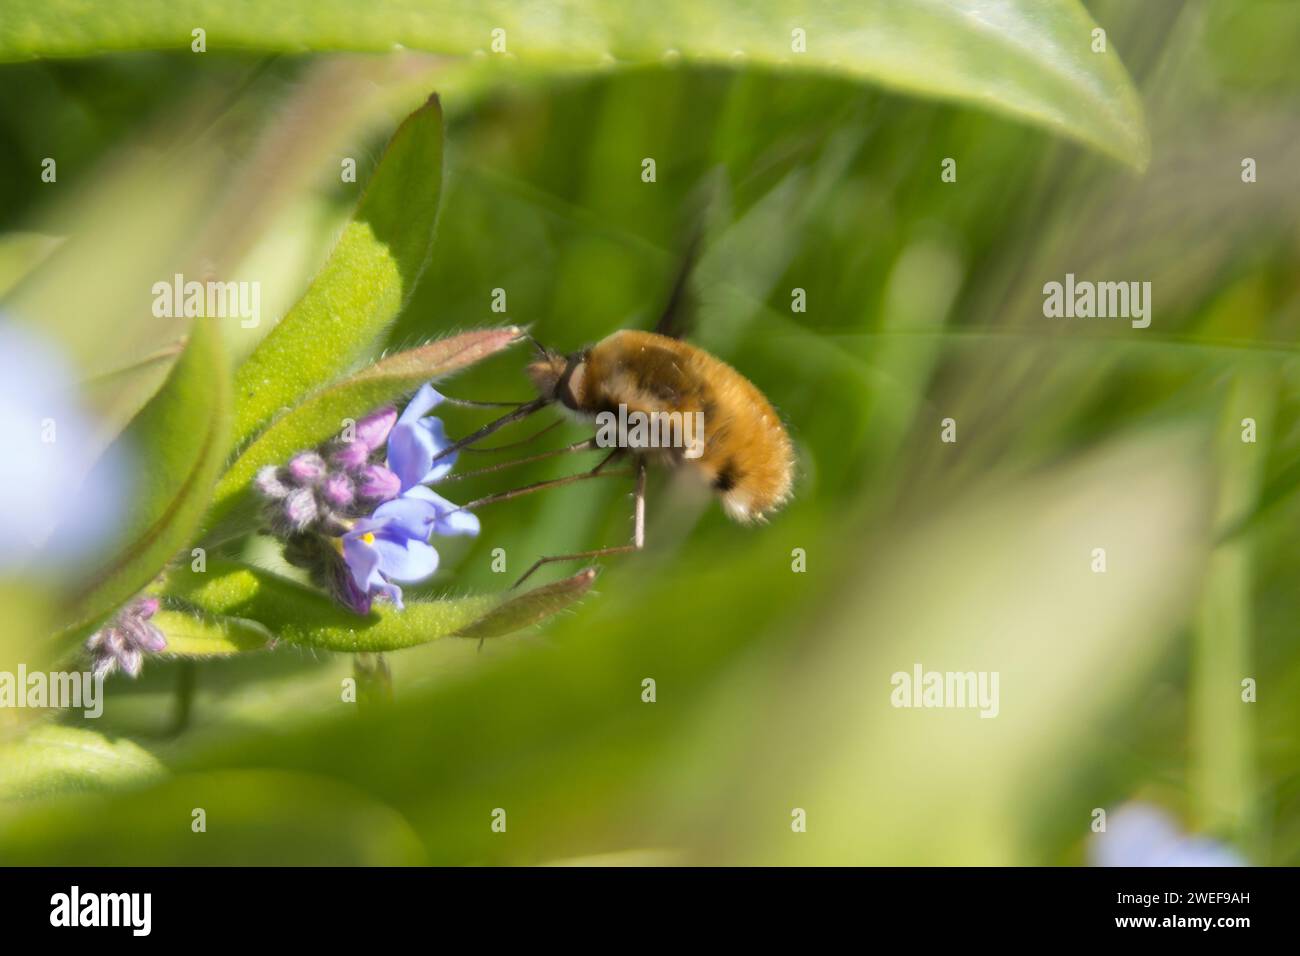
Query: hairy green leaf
[(1032, 59), (531, 607), (322, 415), (362, 286), (178, 441), (210, 635), (301, 615)]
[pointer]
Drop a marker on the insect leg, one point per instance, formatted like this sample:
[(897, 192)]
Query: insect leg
[(471, 403), (600, 465), (520, 413), (586, 444), (638, 507), (540, 486), (638, 533), (523, 441)]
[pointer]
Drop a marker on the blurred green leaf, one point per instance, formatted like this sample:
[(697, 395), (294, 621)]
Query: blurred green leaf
[(1278, 491), (129, 225), (179, 439), (374, 681), (556, 730), (210, 635), (362, 286), (20, 253), (301, 615), (53, 759), (1223, 756), (321, 416), (315, 821), (999, 582), (1028, 58)]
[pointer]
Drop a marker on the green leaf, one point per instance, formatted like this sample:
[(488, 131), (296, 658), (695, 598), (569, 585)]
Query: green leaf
[(313, 820), (302, 615), (1020, 603), (1031, 59), (133, 224), (362, 286), (55, 759), (531, 607), (1222, 766), (210, 635), (178, 441), (321, 416), (20, 253), (1277, 491)]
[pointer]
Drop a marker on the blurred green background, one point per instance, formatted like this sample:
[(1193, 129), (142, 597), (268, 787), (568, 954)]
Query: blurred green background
[(924, 303)]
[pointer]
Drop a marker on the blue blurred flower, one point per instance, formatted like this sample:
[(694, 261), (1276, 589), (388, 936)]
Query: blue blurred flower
[(1140, 834), (60, 498)]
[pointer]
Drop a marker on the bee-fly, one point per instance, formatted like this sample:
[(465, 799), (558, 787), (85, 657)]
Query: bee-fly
[(746, 455)]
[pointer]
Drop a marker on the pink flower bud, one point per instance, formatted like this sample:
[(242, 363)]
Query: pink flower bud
[(300, 509), (146, 607), (350, 455), (379, 484), (338, 490), (269, 484), (307, 468), (372, 431)]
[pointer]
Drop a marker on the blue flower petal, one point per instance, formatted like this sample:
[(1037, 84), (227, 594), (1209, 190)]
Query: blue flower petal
[(438, 437), (425, 400), (411, 448), (392, 592), (405, 559), (1140, 834), (362, 560), (410, 453), (60, 501), (432, 499), (449, 518), (457, 522), (409, 516), (415, 440)]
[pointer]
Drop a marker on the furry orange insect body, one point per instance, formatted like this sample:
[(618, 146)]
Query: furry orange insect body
[(720, 426), (746, 457)]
